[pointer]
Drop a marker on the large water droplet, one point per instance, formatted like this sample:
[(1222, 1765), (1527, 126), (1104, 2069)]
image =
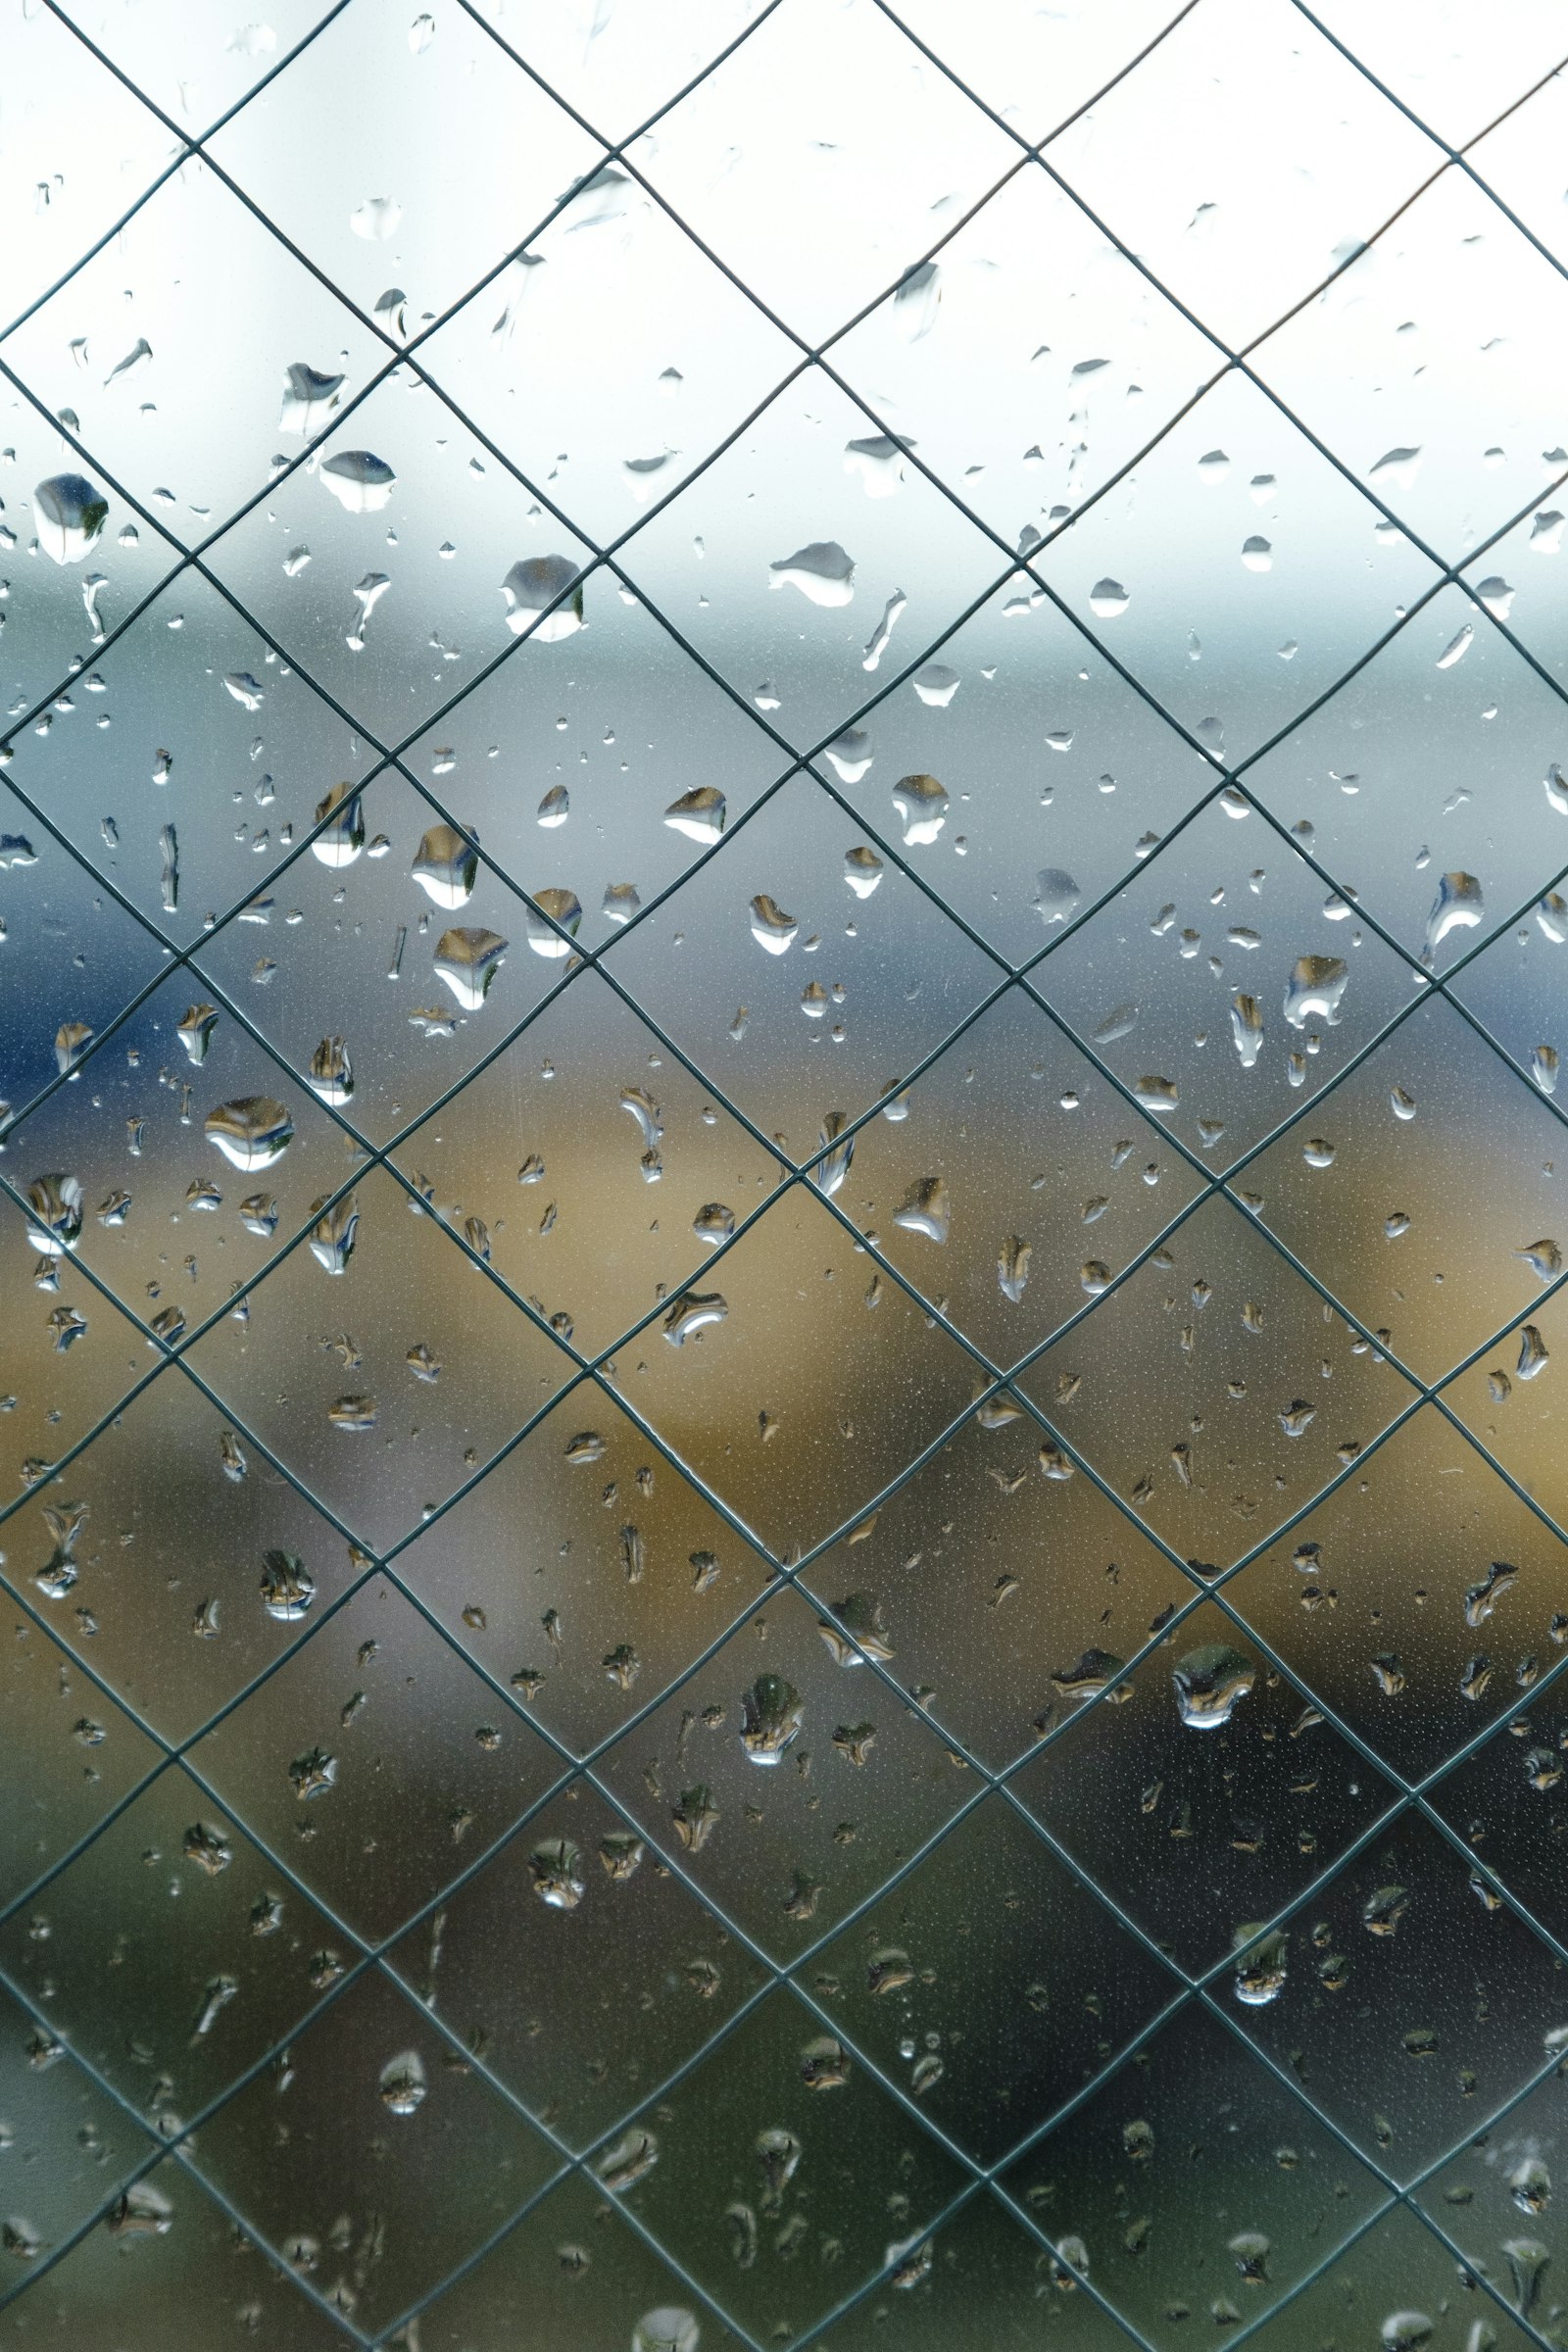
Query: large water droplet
[(821, 572), (70, 514), (771, 1714), (1210, 1681), (446, 866), (1457, 907), (922, 804), (1314, 989), (539, 582), (698, 813), (361, 482), (309, 398), (468, 961), (403, 2084), (252, 1131), (564, 907), (341, 818)]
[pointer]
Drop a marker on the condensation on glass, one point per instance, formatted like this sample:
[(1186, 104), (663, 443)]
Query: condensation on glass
[(782, 851)]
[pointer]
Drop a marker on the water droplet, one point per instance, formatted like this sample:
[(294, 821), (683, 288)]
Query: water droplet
[(377, 218), (1259, 1979), (825, 2064), (821, 571), (558, 1874), (771, 1714), (361, 482), (403, 2084), (287, 1587), (1246, 1028), (856, 1630), (55, 1205), (1097, 1671), (852, 754), (1108, 599), (331, 1074), (468, 961), (446, 866), (925, 1209), (772, 927), (563, 910), (309, 398), (333, 1235), (1530, 2185), (714, 1223), (935, 684), (922, 804), (862, 871), (1055, 895), (1457, 907), (668, 2328), (699, 815), (1384, 1909), (355, 1415), (538, 582), (1012, 1268), (1314, 989), (1526, 2260), (70, 514), (1210, 1681), (693, 1311), (831, 1170)]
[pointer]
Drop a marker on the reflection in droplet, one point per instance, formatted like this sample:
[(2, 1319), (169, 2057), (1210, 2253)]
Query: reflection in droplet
[(668, 2328), (698, 813), (862, 871), (1457, 907), (1314, 989), (341, 820), (287, 1587), (922, 804), (70, 514), (1210, 1681), (403, 2084), (468, 961), (772, 927), (446, 866), (822, 572), (558, 1874), (1055, 895), (925, 1209), (309, 398), (361, 482), (252, 1131), (541, 600), (771, 1713)]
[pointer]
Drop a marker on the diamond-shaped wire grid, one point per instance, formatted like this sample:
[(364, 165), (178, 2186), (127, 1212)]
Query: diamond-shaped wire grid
[(952, 1378)]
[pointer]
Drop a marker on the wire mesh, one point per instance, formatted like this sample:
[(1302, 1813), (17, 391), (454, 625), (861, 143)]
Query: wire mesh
[(591, 1372)]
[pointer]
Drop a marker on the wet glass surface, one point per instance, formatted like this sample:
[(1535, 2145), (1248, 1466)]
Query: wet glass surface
[(782, 866)]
